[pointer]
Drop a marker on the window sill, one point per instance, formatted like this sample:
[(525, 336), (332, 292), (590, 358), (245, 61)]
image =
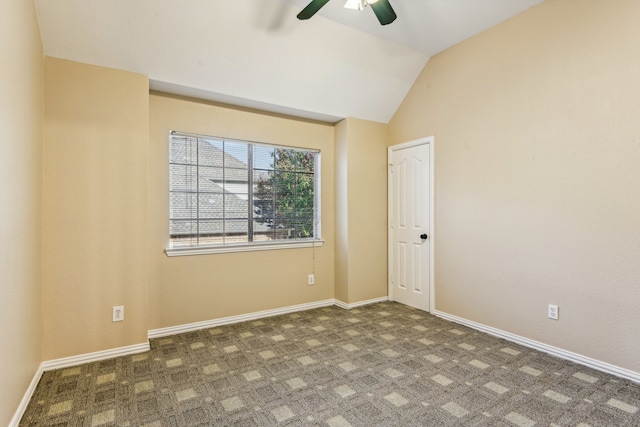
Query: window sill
[(244, 247)]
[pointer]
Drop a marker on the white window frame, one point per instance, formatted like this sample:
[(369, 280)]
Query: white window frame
[(203, 249)]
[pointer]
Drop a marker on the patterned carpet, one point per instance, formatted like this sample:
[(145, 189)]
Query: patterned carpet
[(379, 365)]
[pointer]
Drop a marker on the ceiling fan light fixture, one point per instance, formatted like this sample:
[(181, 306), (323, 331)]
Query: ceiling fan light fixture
[(381, 8), (355, 4)]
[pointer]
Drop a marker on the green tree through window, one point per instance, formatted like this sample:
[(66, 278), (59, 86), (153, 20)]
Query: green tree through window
[(286, 196)]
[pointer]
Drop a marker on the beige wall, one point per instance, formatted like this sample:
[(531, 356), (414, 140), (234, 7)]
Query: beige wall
[(537, 184), (21, 110), (537, 194), (361, 210), (342, 213), (189, 289), (95, 208)]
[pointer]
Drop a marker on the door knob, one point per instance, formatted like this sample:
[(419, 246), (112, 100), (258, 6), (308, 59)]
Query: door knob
[(424, 236)]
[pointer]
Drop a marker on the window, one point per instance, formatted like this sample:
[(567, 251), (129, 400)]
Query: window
[(229, 194)]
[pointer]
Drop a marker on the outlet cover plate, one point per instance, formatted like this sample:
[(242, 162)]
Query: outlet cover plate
[(553, 311), (117, 313)]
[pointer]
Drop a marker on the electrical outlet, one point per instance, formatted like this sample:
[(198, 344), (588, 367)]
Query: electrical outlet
[(118, 313), (553, 312), (311, 280)]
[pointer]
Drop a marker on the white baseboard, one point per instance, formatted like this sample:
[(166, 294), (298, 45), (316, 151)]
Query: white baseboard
[(26, 398), (196, 326), (189, 327), (554, 351), (360, 303), (65, 362)]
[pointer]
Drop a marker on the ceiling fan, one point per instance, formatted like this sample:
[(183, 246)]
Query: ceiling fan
[(383, 10)]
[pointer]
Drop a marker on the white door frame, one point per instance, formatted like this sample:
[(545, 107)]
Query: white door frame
[(430, 141)]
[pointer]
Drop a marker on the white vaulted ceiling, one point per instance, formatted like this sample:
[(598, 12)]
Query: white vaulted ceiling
[(255, 53)]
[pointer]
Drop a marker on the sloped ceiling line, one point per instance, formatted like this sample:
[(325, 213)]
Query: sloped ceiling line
[(256, 54)]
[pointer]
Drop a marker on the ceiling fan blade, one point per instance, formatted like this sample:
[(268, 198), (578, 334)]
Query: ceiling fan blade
[(384, 12), (312, 8)]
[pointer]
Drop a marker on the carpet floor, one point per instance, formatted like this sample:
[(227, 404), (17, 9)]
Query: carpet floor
[(383, 364)]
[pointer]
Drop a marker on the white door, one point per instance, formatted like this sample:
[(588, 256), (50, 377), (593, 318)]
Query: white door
[(409, 224)]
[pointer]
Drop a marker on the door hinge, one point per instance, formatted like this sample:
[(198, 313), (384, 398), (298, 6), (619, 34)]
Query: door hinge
[(391, 167)]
